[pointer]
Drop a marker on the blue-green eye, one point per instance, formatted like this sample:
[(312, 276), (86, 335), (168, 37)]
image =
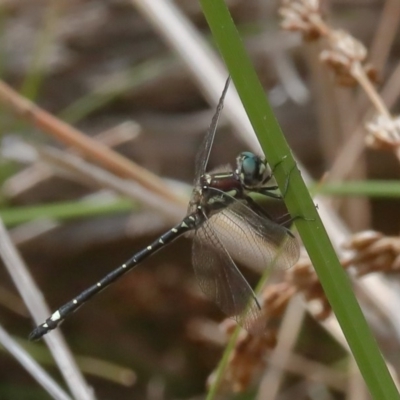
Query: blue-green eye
[(251, 169)]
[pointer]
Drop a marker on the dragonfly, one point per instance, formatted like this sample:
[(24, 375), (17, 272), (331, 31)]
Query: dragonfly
[(227, 227)]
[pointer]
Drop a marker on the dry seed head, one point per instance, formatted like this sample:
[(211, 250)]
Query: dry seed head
[(274, 300), (373, 252), (372, 73), (344, 53), (362, 240), (303, 279), (301, 15), (347, 46), (384, 133), (228, 326), (302, 274), (246, 362), (396, 263), (248, 359)]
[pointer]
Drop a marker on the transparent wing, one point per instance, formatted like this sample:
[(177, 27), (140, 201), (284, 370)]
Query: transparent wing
[(204, 153), (220, 279), (254, 240)]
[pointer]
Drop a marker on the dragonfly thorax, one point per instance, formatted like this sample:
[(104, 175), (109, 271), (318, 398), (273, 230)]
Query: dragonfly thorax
[(215, 185), (253, 171)]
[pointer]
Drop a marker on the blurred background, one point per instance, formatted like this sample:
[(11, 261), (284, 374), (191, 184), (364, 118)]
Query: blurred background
[(104, 67)]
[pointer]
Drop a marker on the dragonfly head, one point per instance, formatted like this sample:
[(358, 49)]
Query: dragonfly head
[(253, 171)]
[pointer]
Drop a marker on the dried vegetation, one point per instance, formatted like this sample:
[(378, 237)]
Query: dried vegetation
[(100, 104)]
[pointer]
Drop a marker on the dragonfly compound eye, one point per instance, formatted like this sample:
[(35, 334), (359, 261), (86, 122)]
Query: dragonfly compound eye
[(252, 169)]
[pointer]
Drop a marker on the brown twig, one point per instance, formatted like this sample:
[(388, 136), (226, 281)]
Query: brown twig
[(90, 148)]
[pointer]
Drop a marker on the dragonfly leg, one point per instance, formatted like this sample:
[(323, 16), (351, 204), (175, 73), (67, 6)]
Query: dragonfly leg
[(267, 191), (258, 209), (282, 221), (278, 164), (287, 181), (286, 187)]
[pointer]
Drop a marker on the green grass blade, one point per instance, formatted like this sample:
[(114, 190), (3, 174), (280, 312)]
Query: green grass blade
[(376, 189), (113, 88), (36, 73), (334, 280), (64, 211)]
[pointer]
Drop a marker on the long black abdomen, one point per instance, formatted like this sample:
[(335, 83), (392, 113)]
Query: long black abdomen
[(187, 224)]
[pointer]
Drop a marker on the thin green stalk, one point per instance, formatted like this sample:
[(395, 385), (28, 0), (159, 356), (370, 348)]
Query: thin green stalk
[(334, 280), (376, 189), (223, 364), (63, 211), (35, 73), (88, 365), (213, 391), (115, 86)]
